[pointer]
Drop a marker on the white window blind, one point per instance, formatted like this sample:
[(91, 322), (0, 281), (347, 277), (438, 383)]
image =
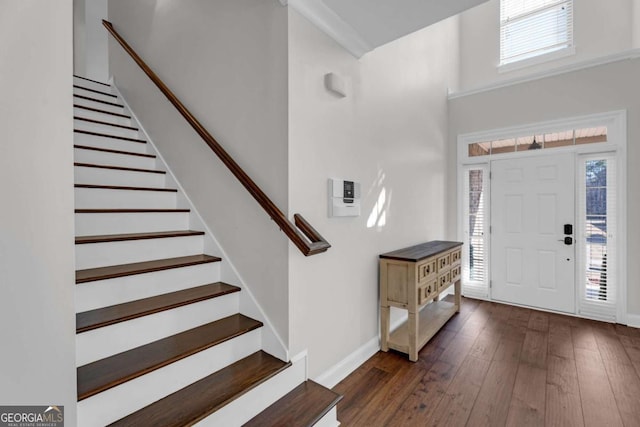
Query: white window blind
[(475, 225), (530, 28), (597, 234)]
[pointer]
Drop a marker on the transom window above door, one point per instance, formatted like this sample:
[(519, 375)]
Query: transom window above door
[(539, 142), (533, 28)]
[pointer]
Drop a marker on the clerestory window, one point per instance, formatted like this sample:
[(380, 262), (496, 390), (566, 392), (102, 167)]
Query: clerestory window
[(531, 28)]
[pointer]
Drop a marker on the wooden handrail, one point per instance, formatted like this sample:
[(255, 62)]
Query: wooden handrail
[(303, 235)]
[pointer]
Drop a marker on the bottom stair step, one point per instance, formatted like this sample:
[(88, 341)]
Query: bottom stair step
[(202, 398), (303, 406)]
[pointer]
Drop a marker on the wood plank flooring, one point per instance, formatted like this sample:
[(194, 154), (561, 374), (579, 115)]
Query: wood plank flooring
[(498, 365)]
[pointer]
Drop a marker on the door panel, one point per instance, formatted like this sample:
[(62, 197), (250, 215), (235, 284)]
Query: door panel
[(531, 200)]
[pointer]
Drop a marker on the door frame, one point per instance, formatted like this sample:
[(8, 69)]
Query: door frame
[(616, 123)]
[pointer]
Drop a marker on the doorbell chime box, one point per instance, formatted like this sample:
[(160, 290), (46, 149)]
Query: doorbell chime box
[(344, 198)]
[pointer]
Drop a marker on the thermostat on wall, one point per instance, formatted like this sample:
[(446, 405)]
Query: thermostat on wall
[(344, 198)]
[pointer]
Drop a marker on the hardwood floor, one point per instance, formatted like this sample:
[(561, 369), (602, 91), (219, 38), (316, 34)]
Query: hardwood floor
[(497, 365)]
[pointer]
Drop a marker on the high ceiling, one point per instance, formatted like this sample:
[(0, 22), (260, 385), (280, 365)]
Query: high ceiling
[(362, 25)]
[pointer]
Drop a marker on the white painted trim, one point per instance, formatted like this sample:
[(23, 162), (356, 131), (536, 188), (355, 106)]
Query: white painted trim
[(616, 122), (340, 370), (612, 119), (283, 2), (328, 21), (633, 320), (462, 211), (272, 343), (621, 56), (536, 60), (343, 368), (622, 250), (300, 356)]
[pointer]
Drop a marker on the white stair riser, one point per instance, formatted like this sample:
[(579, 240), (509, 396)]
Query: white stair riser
[(102, 176), (115, 403), (91, 85), (99, 198), (104, 117), (82, 155), (106, 129), (109, 340), (93, 255), (90, 224), (99, 105), (100, 96), (330, 419), (109, 143), (103, 293), (256, 400)]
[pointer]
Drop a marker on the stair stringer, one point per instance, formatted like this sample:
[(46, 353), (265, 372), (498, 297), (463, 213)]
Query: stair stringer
[(272, 343)]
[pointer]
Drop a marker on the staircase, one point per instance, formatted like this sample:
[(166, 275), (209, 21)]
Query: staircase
[(160, 338)]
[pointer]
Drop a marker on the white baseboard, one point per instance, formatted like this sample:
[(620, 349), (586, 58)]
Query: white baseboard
[(339, 371), (633, 320)]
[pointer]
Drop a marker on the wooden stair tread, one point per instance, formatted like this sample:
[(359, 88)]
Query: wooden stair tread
[(91, 80), (106, 135), (120, 168), (88, 98), (304, 406), (104, 374), (108, 150), (136, 236), (95, 91), (94, 319), (102, 273), (100, 122), (202, 398), (122, 187), (84, 211), (97, 110)]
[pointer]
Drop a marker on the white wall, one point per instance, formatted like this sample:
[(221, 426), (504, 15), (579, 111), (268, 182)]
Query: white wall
[(600, 28), (79, 39), (37, 321), (96, 42), (90, 40), (599, 89), (389, 134), (227, 61), (636, 23)]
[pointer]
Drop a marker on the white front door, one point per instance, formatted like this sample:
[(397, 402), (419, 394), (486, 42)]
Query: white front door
[(532, 198)]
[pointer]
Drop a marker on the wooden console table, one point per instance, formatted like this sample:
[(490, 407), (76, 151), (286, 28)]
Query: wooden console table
[(413, 278)]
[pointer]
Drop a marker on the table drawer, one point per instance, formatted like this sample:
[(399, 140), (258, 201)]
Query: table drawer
[(426, 269), (456, 256), (426, 292), (456, 272), (444, 262), (444, 280)]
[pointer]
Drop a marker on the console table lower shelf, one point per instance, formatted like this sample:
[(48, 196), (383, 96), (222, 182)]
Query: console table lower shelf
[(430, 319)]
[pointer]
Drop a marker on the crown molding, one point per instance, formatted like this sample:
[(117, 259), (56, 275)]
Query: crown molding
[(335, 27)]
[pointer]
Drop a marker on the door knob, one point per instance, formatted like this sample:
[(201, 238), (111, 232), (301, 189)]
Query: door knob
[(567, 240)]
